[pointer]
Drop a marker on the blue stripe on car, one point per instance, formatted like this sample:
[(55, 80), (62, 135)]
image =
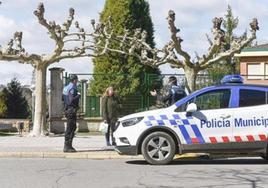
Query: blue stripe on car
[(198, 134), (185, 134)]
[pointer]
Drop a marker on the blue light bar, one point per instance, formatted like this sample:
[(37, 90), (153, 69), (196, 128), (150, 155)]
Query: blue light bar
[(235, 78)]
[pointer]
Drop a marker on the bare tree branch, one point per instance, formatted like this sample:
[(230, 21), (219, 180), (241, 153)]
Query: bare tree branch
[(177, 40), (51, 26), (236, 47), (217, 42), (14, 51), (81, 43), (21, 58)]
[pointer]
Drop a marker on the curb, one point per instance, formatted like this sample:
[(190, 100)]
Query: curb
[(83, 155), (77, 155)]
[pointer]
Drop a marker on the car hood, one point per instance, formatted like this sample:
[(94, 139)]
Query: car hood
[(143, 114)]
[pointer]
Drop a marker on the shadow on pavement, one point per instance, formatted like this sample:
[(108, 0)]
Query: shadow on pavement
[(207, 162)]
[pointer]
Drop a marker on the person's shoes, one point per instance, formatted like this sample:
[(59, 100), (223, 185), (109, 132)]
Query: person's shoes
[(108, 144), (68, 148), (114, 144), (71, 145), (73, 150)]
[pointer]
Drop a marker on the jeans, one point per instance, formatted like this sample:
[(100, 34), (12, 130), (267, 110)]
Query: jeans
[(111, 127)]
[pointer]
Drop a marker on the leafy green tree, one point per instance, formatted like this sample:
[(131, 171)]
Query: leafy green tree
[(3, 105), (123, 72), (17, 106)]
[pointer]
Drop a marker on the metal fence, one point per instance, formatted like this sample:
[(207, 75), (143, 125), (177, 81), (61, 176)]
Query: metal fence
[(139, 101)]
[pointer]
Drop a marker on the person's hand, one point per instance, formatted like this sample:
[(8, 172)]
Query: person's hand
[(153, 93)]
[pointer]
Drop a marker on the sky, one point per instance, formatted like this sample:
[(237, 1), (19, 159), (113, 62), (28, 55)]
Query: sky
[(193, 17)]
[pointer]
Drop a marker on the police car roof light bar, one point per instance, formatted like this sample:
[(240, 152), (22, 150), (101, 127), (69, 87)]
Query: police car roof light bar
[(235, 78)]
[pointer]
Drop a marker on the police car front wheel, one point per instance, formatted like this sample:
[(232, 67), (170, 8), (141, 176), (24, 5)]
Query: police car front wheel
[(158, 148)]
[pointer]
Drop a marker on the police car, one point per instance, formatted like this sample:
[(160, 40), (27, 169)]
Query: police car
[(228, 118)]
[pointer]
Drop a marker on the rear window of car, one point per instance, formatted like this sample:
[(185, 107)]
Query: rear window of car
[(251, 97)]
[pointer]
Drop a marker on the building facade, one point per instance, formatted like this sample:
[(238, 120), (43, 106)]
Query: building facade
[(254, 64)]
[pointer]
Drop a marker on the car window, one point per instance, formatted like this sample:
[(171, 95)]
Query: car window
[(213, 100), (250, 97), (210, 100)]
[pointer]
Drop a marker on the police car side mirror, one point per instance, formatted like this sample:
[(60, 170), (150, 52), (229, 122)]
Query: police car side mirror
[(191, 108)]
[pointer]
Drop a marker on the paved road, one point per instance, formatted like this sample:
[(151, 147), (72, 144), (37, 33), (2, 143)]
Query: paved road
[(76, 173)]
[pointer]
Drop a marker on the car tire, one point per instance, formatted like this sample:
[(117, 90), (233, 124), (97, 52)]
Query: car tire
[(158, 148), (265, 155)]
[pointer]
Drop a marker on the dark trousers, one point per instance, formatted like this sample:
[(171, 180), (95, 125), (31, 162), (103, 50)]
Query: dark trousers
[(70, 114), (110, 131)]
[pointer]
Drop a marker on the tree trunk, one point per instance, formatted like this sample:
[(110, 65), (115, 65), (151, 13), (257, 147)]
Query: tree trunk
[(40, 102), (191, 76)]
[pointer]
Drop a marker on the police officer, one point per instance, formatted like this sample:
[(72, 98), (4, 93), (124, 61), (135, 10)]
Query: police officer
[(71, 101), (172, 92)]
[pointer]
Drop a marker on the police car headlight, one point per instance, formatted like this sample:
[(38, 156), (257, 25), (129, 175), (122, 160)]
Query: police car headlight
[(132, 121)]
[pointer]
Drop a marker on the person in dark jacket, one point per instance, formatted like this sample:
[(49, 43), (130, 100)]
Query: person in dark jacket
[(110, 113), (172, 93), (71, 102)]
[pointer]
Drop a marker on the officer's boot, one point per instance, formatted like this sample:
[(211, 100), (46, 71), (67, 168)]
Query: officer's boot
[(67, 147), (71, 145)]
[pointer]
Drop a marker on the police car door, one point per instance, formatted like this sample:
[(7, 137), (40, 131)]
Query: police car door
[(212, 121), (251, 119)]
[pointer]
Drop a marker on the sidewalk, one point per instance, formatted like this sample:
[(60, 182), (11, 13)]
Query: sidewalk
[(88, 147), (49, 144)]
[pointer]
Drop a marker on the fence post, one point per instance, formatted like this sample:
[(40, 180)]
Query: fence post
[(84, 94), (148, 91), (65, 79), (144, 98)]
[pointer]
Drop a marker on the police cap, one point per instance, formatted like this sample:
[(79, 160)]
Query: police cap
[(73, 77)]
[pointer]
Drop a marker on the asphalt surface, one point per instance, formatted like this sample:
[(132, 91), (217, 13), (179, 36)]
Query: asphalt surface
[(76, 173)]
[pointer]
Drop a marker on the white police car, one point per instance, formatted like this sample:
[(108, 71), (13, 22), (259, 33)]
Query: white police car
[(228, 118)]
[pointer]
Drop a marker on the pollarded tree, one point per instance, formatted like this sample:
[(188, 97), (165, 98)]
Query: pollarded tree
[(173, 54), (70, 40), (123, 72)]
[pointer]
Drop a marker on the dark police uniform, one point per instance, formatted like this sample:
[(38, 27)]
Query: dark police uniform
[(172, 94), (71, 103)]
